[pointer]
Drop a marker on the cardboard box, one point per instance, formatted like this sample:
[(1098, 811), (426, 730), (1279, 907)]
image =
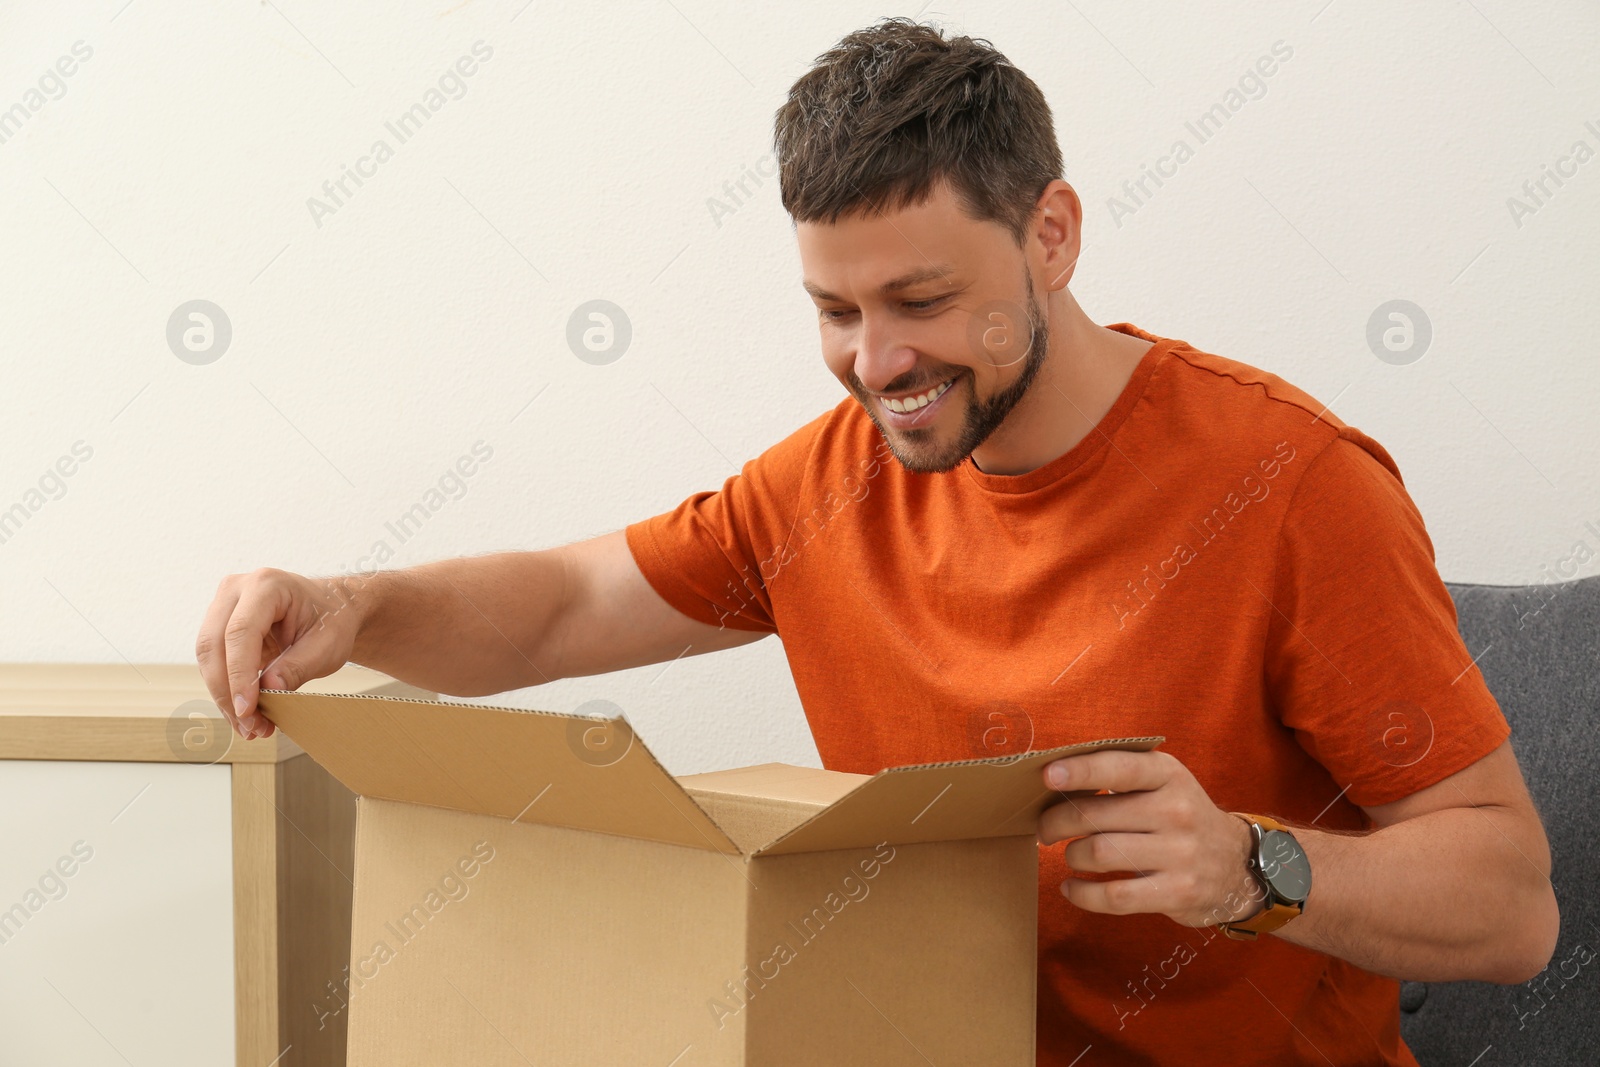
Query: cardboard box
[(535, 888)]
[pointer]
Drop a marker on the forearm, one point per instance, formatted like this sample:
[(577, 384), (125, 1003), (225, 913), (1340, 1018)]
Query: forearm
[(463, 627), (1456, 894)]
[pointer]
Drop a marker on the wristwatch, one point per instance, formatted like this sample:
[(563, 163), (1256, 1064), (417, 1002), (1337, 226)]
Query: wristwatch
[(1279, 864)]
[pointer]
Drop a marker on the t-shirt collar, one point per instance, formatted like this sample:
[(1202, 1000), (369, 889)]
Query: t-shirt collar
[(1095, 440)]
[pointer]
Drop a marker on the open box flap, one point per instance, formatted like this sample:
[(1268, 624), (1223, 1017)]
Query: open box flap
[(996, 797), (777, 781), (531, 766)]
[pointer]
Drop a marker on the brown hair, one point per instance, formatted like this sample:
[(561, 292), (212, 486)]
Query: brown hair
[(893, 108)]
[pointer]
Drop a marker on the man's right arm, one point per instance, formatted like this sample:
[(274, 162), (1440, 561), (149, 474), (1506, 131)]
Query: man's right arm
[(466, 627)]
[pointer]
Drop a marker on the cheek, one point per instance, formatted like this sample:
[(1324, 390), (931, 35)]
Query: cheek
[(838, 355), (993, 371), (839, 352), (954, 346), (983, 378)]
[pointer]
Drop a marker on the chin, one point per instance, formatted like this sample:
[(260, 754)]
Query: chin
[(927, 455), (925, 450)]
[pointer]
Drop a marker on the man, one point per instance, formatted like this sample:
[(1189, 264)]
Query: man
[(1021, 520)]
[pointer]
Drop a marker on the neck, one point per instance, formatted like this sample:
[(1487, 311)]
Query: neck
[(1086, 368)]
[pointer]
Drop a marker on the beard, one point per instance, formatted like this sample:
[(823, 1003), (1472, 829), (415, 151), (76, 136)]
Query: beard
[(920, 451)]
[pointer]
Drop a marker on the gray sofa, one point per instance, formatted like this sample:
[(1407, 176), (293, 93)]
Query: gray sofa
[(1539, 650)]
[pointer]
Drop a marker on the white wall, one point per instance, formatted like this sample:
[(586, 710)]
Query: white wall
[(371, 350)]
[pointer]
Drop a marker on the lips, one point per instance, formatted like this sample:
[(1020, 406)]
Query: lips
[(910, 420)]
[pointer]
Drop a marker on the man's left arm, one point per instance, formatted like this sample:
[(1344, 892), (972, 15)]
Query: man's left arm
[(1452, 883)]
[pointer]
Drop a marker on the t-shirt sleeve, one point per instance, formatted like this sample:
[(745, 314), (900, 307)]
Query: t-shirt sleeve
[(1364, 660), (710, 557)]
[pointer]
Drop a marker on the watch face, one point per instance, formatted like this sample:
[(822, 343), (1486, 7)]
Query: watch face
[(1285, 867)]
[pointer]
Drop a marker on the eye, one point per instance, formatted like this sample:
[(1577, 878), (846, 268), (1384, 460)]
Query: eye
[(833, 314), (924, 305)]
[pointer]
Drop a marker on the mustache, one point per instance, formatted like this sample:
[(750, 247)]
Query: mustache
[(860, 389)]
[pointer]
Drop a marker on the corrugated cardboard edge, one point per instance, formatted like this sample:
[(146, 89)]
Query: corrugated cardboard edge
[(1008, 794), (1007, 801), (332, 744)]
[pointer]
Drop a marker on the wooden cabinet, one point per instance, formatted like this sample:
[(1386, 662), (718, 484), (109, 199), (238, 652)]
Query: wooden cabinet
[(168, 893)]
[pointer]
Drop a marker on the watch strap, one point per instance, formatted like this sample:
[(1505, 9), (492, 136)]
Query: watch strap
[(1265, 822), (1263, 922), (1276, 913)]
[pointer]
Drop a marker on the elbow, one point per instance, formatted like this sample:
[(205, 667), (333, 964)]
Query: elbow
[(1532, 948)]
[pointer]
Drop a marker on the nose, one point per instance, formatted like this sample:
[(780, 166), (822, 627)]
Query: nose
[(881, 356)]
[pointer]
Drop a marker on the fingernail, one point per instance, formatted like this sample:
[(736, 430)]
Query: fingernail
[(1058, 776), (240, 705)]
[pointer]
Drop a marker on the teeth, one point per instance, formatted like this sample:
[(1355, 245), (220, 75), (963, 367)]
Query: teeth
[(915, 402)]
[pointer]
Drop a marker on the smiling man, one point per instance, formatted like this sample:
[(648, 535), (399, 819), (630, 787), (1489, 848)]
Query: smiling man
[(1019, 530)]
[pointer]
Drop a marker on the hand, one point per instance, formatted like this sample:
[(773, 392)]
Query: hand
[(1189, 856), (298, 628)]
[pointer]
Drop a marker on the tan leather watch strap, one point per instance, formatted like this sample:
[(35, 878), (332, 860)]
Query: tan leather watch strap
[(1267, 823), (1270, 918), (1263, 923)]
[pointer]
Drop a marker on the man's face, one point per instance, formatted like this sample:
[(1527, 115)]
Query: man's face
[(930, 311)]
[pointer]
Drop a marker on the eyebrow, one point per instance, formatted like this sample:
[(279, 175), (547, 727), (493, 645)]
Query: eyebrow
[(893, 285)]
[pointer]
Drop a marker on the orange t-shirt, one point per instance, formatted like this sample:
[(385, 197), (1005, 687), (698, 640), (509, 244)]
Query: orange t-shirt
[(1221, 561)]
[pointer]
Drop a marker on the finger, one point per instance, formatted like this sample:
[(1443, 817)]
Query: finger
[(257, 724), (281, 673), (210, 651), (1124, 772), (1118, 896), (244, 637), (1105, 853), (1079, 816)]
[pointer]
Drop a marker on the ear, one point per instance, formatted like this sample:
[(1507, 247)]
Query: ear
[(1057, 235)]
